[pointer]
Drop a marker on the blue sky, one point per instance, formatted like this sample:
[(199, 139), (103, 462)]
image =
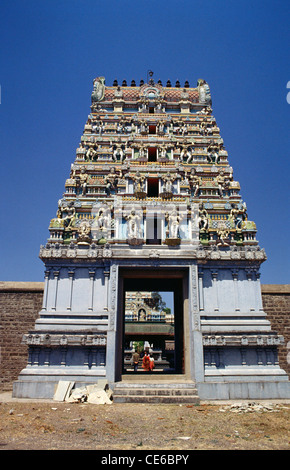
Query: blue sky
[(50, 52)]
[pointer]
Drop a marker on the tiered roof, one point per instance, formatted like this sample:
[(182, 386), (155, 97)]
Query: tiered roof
[(151, 145)]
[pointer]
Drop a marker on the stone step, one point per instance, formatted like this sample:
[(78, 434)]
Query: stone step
[(166, 392), (152, 385), (156, 399), (156, 377), (155, 392)]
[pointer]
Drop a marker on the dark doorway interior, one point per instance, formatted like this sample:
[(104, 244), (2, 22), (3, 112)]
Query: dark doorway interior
[(155, 330), (153, 190), (152, 154)]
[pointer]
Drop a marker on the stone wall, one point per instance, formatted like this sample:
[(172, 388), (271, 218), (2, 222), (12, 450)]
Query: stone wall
[(276, 303), (20, 303)]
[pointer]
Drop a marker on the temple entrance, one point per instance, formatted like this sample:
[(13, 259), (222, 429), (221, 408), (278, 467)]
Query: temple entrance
[(153, 322)]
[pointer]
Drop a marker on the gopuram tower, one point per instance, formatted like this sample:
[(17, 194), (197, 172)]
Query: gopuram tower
[(151, 204)]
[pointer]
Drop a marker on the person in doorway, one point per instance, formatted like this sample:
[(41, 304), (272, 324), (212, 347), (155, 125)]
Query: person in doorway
[(146, 362), (152, 364), (135, 359)]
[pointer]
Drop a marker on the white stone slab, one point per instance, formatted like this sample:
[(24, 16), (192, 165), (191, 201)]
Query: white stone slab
[(63, 390)]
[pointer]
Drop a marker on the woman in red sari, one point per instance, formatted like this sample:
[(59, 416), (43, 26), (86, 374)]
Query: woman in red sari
[(146, 362)]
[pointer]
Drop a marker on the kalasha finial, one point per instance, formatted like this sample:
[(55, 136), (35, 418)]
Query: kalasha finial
[(150, 73)]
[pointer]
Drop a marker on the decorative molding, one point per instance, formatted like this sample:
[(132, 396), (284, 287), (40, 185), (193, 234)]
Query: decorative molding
[(243, 340), (51, 339)]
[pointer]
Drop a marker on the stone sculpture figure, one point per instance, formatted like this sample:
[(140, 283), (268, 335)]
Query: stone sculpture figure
[(83, 181), (99, 89), (160, 127), (111, 180), (186, 153), (91, 153), (163, 151), (222, 233), (213, 152), (184, 129), (143, 127), (84, 230), (168, 180), (194, 182), (118, 151), (173, 223), (139, 182), (98, 127), (101, 223), (223, 182), (134, 225), (203, 91), (238, 214), (203, 219), (141, 148), (70, 216), (205, 128)]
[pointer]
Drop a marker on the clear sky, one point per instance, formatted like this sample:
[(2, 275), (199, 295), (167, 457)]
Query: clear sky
[(50, 52)]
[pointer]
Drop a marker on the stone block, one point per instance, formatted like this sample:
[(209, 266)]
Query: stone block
[(63, 390)]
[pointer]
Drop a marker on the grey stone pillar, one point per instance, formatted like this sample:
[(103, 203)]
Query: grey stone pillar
[(92, 273), (111, 352), (196, 356), (71, 274), (56, 276), (214, 274), (45, 293)]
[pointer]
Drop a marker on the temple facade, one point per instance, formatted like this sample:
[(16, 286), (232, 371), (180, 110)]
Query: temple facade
[(151, 205)]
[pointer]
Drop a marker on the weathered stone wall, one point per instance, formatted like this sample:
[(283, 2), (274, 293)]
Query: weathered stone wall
[(20, 303), (276, 303)]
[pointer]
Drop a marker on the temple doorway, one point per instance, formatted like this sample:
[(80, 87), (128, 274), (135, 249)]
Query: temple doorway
[(153, 322)]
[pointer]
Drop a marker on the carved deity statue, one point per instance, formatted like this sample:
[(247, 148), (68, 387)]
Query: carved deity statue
[(101, 223), (204, 92), (194, 182), (203, 219), (134, 225), (168, 180), (205, 128), (223, 182), (143, 127), (98, 127), (91, 153), (70, 216), (186, 153), (139, 182), (222, 236), (83, 181), (118, 151), (238, 214), (111, 180), (173, 223), (99, 89), (213, 152), (141, 148), (84, 230), (160, 127), (162, 151)]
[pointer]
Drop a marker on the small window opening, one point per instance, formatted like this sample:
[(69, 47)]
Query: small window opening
[(152, 154)]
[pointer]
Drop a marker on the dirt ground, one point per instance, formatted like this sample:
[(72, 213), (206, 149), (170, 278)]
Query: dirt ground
[(51, 425)]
